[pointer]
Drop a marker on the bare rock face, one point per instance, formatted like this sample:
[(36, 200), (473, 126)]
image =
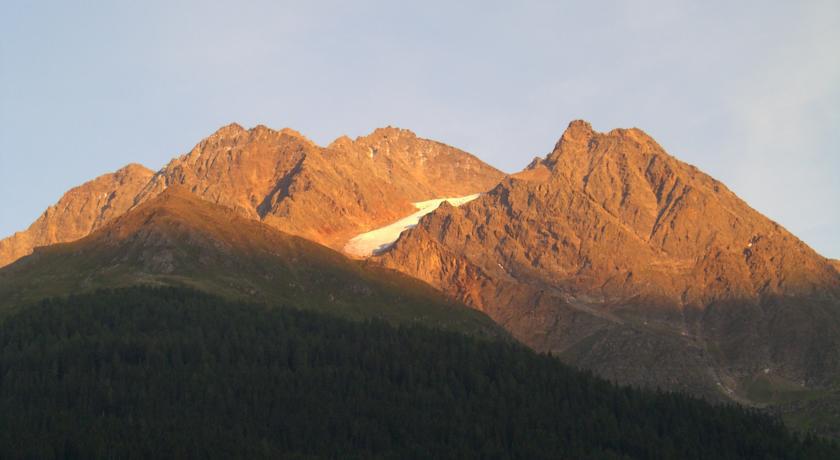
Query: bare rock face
[(235, 167), (326, 194), (280, 177), (352, 187), (624, 260), (80, 211)]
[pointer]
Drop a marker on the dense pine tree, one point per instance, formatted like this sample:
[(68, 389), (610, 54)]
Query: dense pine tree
[(146, 372)]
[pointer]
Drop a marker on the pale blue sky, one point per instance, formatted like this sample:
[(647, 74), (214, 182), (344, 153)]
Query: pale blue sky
[(747, 91)]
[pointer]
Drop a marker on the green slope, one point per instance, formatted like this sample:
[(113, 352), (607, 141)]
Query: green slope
[(178, 239)]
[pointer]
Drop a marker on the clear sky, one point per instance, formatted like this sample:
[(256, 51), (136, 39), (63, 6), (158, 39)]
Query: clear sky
[(747, 91)]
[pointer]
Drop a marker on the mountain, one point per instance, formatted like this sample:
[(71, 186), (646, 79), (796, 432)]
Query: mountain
[(80, 211), (327, 195), (179, 239), (608, 252), (622, 259)]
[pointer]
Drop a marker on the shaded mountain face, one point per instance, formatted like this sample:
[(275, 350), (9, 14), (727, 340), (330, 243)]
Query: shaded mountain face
[(179, 239), (629, 262), (80, 211), (327, 195)]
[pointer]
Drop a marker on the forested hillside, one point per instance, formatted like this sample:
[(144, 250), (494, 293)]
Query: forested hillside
[(167, 372)]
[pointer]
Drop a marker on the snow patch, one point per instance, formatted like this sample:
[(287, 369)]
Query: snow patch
[(375, 241)]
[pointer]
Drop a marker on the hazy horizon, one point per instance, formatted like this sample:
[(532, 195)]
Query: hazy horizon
[(748, 93)]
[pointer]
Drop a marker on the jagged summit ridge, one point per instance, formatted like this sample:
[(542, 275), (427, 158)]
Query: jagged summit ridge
[(281, 178)]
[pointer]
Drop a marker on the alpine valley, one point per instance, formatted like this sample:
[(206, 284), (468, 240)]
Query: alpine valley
[(608, 254)]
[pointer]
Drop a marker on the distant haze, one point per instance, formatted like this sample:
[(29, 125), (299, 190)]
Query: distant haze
[(747, 91)]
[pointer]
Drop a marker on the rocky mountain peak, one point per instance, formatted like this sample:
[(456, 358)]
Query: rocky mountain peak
[(133, 169), (581, 148), (389, 132), (229, 130), (297, 135), (578, 131), (234, 134), (572, 153), (379, 140), (342, 142)]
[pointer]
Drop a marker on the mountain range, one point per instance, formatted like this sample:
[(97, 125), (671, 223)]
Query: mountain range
[(608, 253), (280, 178)]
